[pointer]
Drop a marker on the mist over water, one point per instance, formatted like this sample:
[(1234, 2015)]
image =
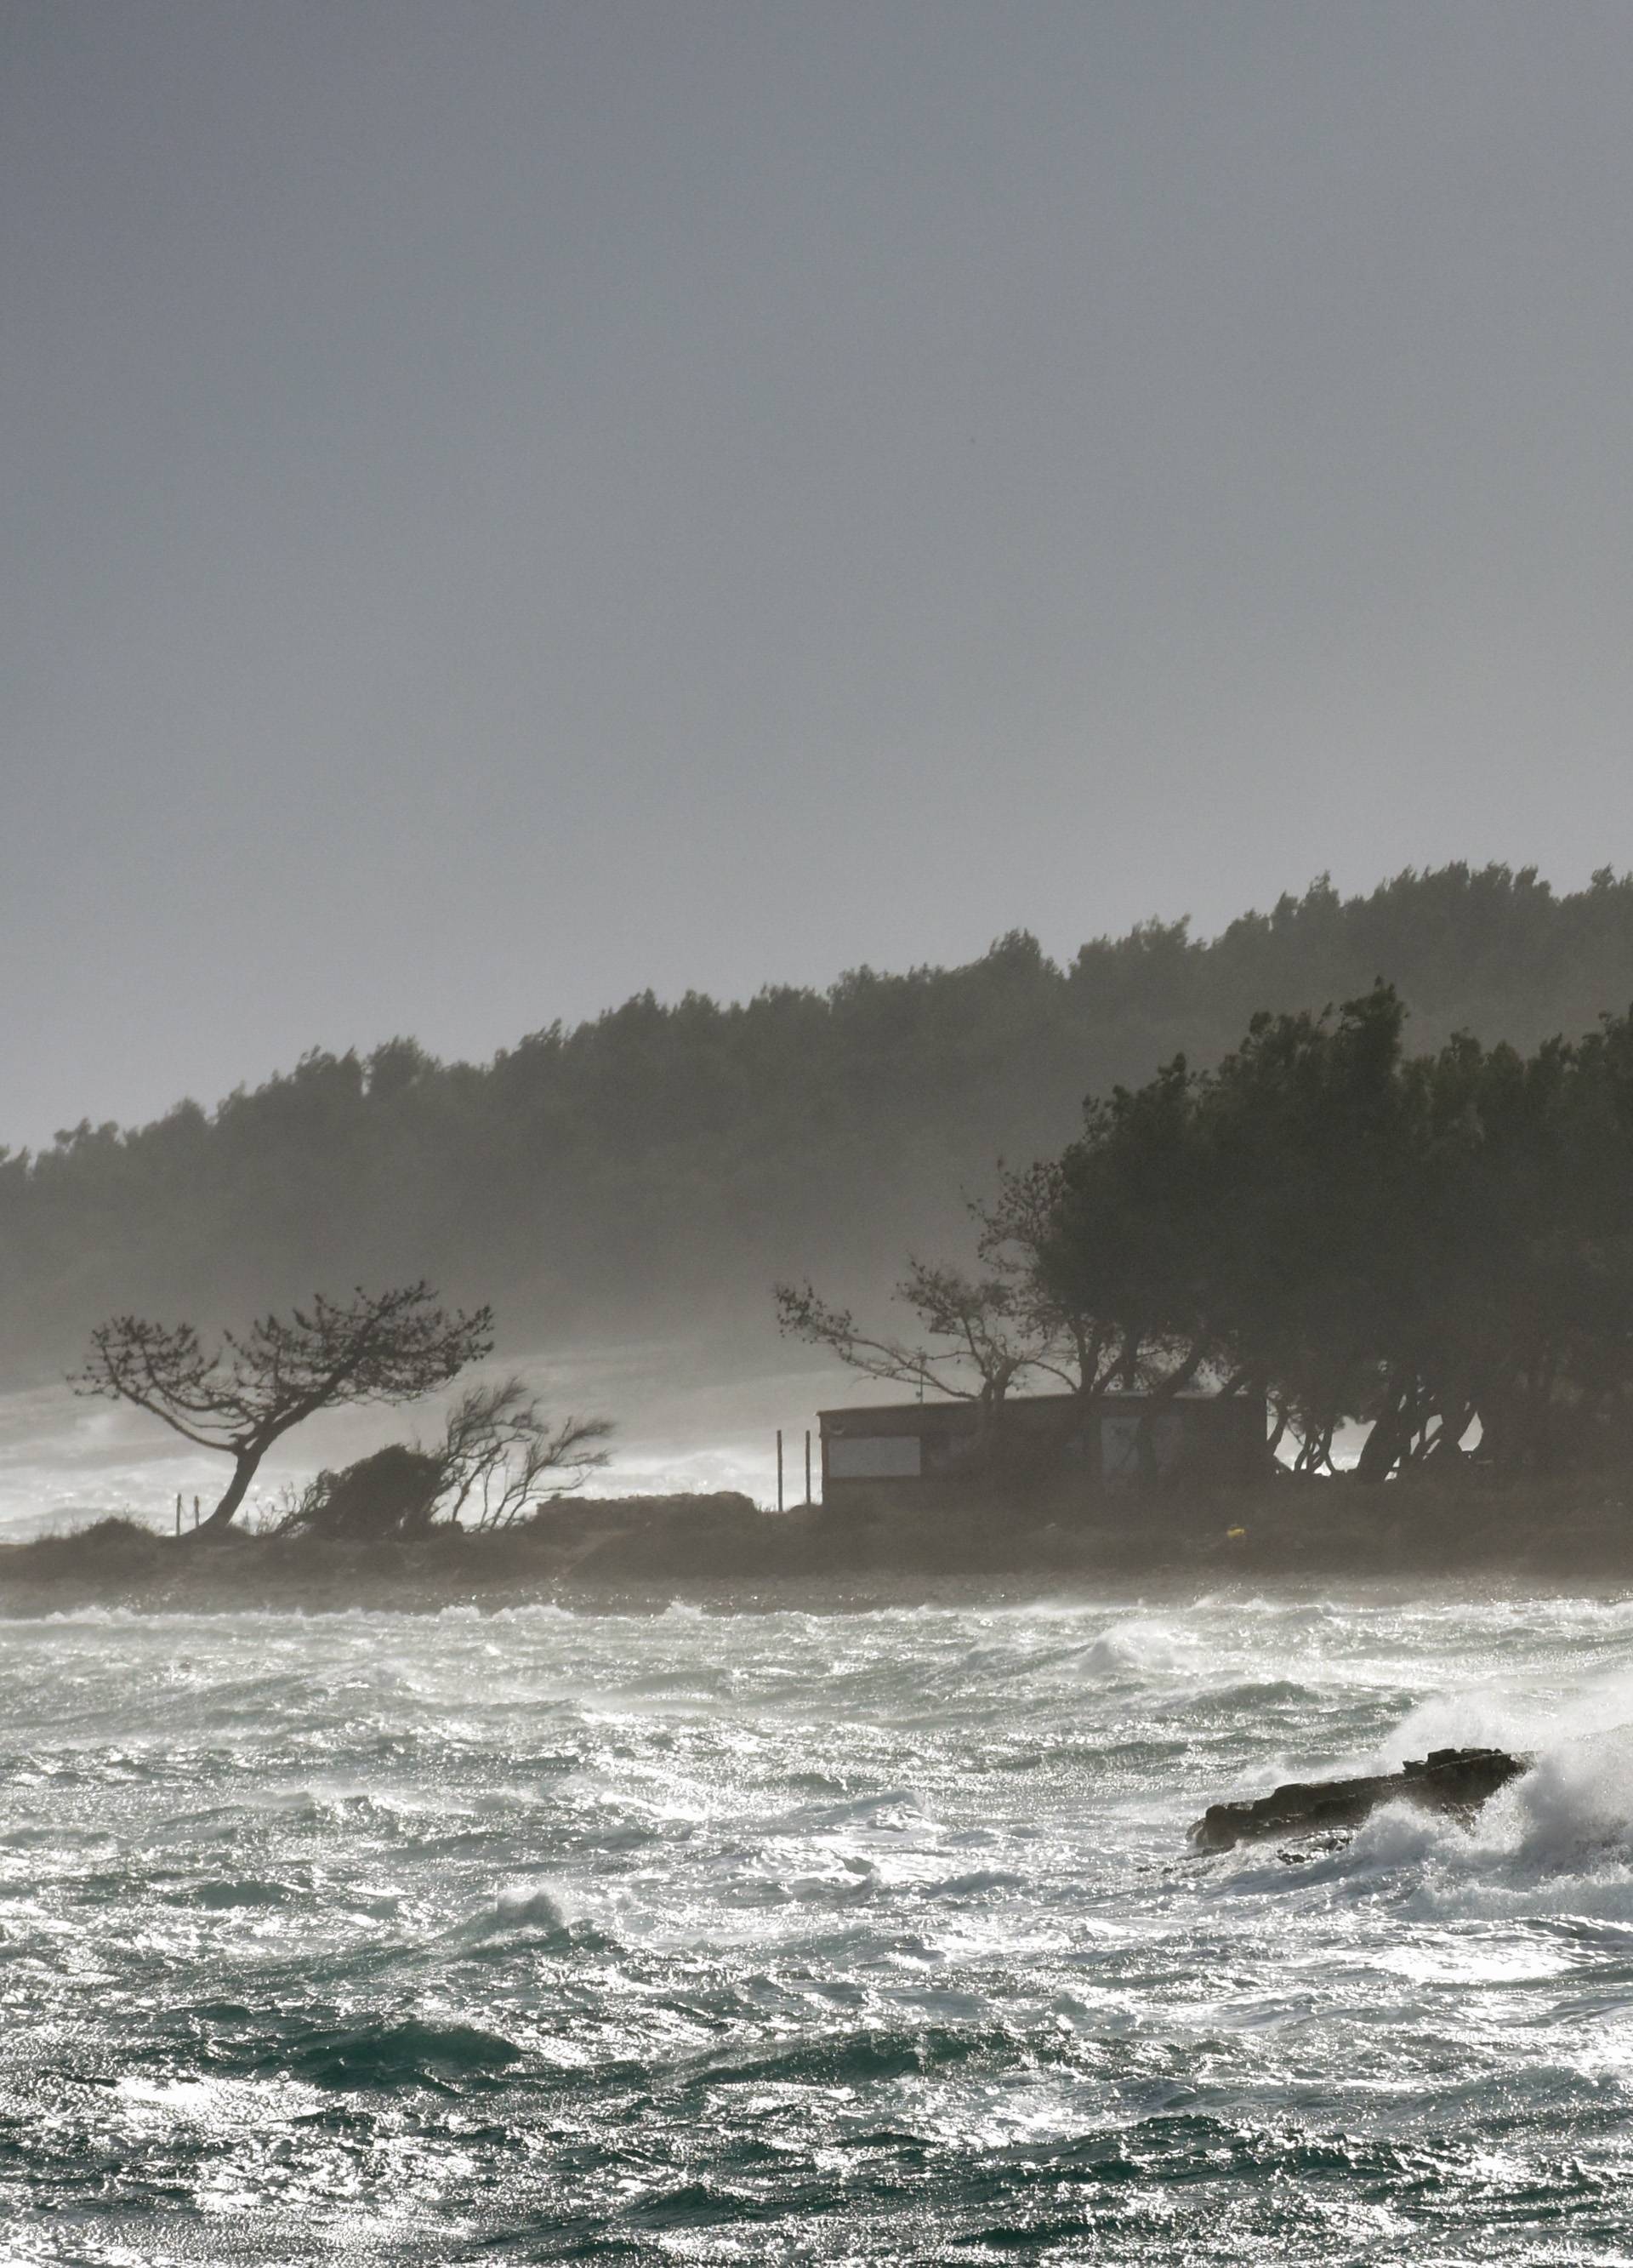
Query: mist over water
[(829, 1938)]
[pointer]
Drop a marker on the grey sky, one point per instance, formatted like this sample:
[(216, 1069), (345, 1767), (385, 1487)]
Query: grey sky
[(508, 503)]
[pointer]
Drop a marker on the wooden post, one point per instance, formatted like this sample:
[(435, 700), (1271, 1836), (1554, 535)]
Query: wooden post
[(178, 1512), (195, 1511), (779, 1468), (807, 1464)]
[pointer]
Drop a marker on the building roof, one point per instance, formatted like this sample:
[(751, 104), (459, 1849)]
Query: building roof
[(948, 1405)]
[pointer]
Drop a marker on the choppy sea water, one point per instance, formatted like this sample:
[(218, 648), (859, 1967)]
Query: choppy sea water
[(862, 1938)]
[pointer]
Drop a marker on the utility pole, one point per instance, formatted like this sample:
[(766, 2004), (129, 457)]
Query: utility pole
[(779, 1468), (807, 1464)]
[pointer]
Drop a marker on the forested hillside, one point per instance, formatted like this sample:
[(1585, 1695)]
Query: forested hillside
[(661, 1165)]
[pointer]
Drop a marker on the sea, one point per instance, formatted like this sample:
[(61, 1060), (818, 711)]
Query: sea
[(710, 1936)]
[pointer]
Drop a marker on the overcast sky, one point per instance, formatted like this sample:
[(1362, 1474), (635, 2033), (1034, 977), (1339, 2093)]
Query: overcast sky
[(507, 503)]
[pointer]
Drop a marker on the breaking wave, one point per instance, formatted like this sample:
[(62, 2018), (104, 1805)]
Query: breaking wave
[(875, 1936)]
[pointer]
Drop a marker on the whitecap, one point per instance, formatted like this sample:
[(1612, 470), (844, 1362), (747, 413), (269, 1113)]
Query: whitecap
[(1144, 1648)]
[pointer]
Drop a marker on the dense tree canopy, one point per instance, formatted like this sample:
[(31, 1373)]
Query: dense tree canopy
[(1436, 1247), (660, 1160), (1440, 1246)]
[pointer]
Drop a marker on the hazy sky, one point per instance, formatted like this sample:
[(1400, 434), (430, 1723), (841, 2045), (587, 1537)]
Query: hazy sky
[(509, 503)]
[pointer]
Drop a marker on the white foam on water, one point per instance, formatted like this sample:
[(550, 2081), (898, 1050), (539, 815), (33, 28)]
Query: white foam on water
[(868, 1881), (1145, 1648), (521, 1906)]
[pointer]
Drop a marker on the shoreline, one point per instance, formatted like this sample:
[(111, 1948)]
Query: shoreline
[(640, 1554)]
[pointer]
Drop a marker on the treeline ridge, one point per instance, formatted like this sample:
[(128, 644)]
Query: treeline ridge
[(661, 1163)]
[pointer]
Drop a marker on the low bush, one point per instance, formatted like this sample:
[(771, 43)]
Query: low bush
[(116, 1545)]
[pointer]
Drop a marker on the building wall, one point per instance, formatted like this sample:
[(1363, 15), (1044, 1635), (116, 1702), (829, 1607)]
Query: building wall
[(1048, 1438)]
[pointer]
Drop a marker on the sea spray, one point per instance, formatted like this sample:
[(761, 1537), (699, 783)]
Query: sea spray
[(864, 1936)]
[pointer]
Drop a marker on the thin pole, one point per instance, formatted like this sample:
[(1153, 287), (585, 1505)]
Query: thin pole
[(195, 1511), (779, 1468), (178, 1512), (807, 1464)]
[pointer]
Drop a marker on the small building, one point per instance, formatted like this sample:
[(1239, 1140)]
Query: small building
[(1114, 1441)]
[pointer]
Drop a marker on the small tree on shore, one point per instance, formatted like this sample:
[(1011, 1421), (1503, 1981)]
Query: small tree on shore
[(502, 1458), (500, 1461), (377, 1346)]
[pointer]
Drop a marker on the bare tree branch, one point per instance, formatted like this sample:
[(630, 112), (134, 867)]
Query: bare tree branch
[(502, 1458)]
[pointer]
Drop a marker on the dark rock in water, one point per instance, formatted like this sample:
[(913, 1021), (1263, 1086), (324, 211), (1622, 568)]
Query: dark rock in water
[(1458, 1781)]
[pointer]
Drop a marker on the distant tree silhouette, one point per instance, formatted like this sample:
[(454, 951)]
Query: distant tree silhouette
[(665, 1161), (379, 1347)]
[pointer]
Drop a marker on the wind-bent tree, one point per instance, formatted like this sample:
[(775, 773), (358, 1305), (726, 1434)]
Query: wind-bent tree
[(989, 1332), (377, 1346), (502, 1459), (983, 1336)]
